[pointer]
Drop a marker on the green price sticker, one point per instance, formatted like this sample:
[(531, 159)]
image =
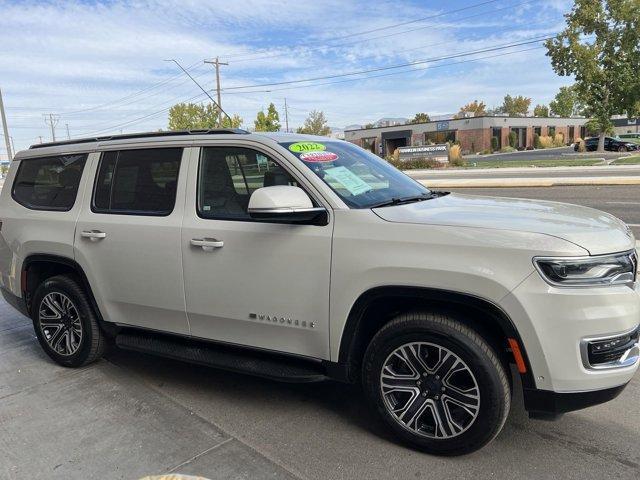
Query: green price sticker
[(300, 147)]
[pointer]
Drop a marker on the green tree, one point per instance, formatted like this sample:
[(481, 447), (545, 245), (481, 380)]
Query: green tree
[(267, 122), (541, 111), (600, 48), (315, 124), (475, 107), (420, 118), (565, 103), (516, 106), (193, 116)]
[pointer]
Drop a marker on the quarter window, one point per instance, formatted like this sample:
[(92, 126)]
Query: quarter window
[(138, 182), (49, 183), (229, 175)]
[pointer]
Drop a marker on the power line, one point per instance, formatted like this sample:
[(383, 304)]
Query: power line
[(217, 64), (52, 120), (391, 67), (387, 27), (324, 46)]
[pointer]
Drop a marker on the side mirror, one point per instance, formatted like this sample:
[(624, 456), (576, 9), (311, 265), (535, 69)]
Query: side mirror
[(285, 204)]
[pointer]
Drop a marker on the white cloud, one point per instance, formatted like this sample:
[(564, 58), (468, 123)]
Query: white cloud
[(68, 56)]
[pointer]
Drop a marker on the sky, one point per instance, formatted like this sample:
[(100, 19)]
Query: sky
[(100, 67)]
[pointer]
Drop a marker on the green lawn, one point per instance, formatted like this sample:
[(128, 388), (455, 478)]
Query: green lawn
[(549, 162), (635, 160)]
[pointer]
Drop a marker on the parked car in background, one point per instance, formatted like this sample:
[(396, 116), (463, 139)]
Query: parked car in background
[(610, 144)]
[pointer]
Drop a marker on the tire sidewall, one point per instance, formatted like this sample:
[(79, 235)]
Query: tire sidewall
[(492, 394), (84, 312)]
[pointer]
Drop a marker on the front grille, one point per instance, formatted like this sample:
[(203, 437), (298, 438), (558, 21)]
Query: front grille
[(608, 352)]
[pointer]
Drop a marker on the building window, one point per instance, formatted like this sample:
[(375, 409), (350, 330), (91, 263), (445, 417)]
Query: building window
[(551, 131), (572, 132), (442, 136), (369, 144), (537, 131)]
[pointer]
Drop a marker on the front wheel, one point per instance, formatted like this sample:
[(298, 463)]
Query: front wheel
[(622, 149), (436, 383)]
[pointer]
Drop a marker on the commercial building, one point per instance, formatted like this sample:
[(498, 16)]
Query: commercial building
[(474, 134), (626, 125)]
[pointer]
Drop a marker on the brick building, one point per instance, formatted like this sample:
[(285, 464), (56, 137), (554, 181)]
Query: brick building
[(474, 134)]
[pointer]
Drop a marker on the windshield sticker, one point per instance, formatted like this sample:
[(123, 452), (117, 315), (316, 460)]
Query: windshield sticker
[(306, 147), (349, 180), (312, 157)]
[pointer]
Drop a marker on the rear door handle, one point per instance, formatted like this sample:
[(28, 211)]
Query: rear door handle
[(93, 234), (207, 244)]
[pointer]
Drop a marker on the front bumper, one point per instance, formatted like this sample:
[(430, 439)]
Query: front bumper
[(556, 324), (548, 405)]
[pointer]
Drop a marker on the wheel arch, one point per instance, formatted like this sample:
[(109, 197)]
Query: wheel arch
[(38, 267), (381, 304)]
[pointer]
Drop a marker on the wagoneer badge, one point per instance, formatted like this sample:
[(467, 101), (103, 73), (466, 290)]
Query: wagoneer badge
[(283, 321)]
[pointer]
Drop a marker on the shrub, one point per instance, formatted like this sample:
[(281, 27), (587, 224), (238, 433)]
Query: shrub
[(558, 140), (513, 139), (545, 141), (507, 149), (536, 141), (455, 156), (581, 146), (487, 151), (416, 163), (494, 143)]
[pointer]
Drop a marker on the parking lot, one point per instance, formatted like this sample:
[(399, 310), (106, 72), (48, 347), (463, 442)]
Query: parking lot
[(131, 415)]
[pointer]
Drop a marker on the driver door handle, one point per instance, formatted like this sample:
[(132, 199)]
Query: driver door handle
[(207, 244)]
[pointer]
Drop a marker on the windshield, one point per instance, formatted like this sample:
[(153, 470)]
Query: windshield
[(357, 176)]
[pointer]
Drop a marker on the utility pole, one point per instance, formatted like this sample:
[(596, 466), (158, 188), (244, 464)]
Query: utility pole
[(40, 137), (7, 139), (68, 136), (52, 120), (216, 63), (286, 115)]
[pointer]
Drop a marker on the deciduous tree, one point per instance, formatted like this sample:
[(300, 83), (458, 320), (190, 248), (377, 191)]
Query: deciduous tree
[(267, 122), (475, 107), (517, 106), (420, 118), (541, 111), (315, 124), (600, 48), (193, 116)]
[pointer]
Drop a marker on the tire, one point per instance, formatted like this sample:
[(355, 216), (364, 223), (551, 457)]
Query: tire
[(65, 324), (433, 341), (622, 149)]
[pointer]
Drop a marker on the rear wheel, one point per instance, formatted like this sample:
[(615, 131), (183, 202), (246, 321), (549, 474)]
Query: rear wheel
[(65, 323), (436, 383), (622, 148)]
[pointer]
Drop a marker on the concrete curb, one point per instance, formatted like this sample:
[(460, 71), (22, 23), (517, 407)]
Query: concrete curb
[(528, 182)]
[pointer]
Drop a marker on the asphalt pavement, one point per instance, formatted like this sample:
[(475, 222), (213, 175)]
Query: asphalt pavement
[(531, 172), (541, 154)]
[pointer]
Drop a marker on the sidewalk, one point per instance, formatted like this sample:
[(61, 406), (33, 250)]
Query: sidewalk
[(528, 182)]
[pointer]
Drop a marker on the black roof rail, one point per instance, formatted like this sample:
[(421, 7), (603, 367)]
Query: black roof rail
[(127, 136)]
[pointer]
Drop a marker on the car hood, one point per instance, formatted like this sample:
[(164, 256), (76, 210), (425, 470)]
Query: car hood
[(597, 232)]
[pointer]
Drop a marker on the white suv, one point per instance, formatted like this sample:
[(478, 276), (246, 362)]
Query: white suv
[(304, 258)]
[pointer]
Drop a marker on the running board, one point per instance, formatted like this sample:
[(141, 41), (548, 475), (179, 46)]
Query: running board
[(261, 364)]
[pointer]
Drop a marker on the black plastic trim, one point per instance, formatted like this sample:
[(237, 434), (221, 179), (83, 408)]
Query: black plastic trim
[(349, 334), (549, 405), (15, 301)]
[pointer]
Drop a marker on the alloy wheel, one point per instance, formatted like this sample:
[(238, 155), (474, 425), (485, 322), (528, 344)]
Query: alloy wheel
[(60, 323), (429, 390)]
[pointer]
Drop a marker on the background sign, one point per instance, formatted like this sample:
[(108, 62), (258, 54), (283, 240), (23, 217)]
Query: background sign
[(434, 152)]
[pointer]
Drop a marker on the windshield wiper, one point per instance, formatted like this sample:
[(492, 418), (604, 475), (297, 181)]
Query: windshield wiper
[(402, 200)]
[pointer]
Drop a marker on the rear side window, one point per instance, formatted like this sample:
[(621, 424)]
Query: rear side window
[(137, 182), (49, 183)]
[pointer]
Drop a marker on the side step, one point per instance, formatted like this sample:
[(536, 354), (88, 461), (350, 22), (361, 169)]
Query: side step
[(276, 367)]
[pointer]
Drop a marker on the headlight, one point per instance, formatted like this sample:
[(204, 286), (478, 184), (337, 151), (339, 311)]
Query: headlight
[(617, 269)]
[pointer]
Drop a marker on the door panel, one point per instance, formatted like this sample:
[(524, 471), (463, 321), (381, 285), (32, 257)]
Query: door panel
[(265, 285), (128, 242)]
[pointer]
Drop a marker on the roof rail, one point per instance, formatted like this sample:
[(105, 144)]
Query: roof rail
[(127, 136)]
